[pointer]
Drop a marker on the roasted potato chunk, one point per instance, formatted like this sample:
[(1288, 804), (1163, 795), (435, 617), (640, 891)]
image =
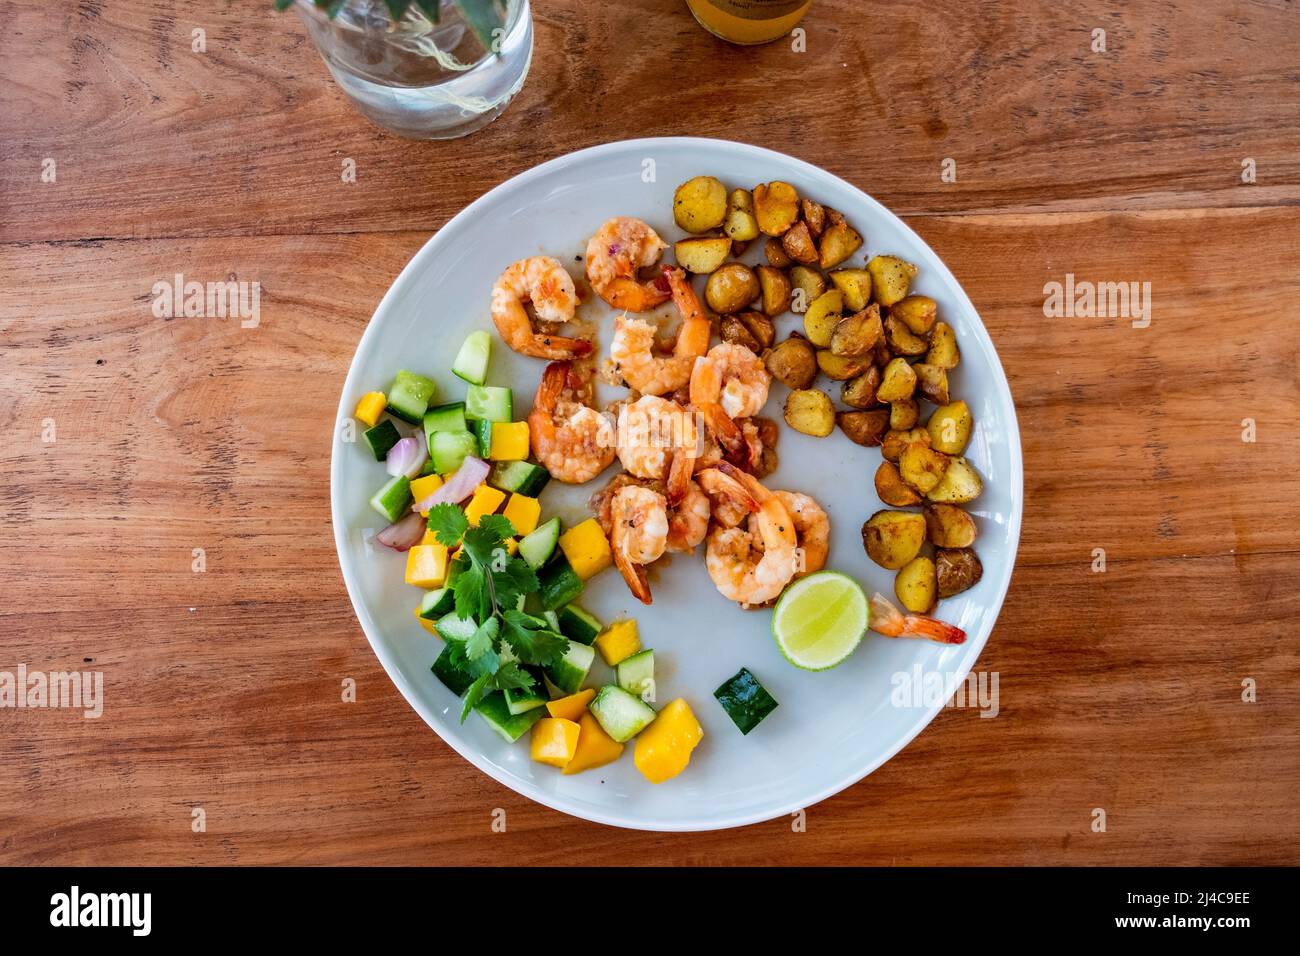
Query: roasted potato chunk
[(814, 213), (864, 428), (731, 288), (855, 284), (775, 254), (897, 382), (740, 224), (776, 206), (776, 288), (943, 347), (751, 329), (903, 414), (798, 244), (880, 355), (950, 427), (861, 391), (916, 585), (838, 242), (892, 445), (891, 277), (823, 314), (917, 312), (810, 411), (857, 334), (932, 382), (808, 284), (956, 570), (768, 433), (702, 256), (793, 363), (961, 483), (902, 340), (948, 526), (892, 490), (839, 368), (892, 538), (921, 466), (700, 204)]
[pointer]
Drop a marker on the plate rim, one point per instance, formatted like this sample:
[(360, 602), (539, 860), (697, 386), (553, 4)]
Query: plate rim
[(523, 787)]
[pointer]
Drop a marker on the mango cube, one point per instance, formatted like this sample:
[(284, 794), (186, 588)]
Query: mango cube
[(509, 441), (587, 548), (573, 706), (554, 741), (426, 565), (619, 641), (370, 407), (523, 513), (595, 747), (664, 748), (424, 486), (430, 626), (486, 500)]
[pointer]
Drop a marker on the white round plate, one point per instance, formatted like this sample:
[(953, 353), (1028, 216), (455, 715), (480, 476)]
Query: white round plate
[(831, 728)]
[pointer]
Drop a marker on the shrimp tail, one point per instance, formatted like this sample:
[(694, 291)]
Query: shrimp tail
[(726, 431), (634, 574), (891, 622), (554, 380)]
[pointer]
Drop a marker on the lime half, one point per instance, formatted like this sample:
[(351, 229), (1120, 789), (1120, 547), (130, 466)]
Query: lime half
[(819, 620)]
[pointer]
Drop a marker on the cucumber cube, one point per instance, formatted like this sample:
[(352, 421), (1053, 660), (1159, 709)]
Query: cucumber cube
[(456, 680), (393, 498), (745, 700), (620, 714), (436, 603), (571, 670), (636, 675), (448, 449), (520, 477), (489, 403), (408, 396), (560, 584), (444, 418), (382, 438), (494, 710), (579, 625), (472, 360)]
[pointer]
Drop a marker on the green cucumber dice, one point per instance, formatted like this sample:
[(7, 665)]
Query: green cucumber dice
[(521, 477), (538, 545), (579, 625), (453, 627), (381, 438), (393, 498), (448, 449), (620, 714), (472, 360), (489, 403), (520, 700), (456, 680), (496, 712), (436, 603), (745, 700), (560, 584), (570, 671), (636, 674), (408, 396), (483, 432), (444, 418)]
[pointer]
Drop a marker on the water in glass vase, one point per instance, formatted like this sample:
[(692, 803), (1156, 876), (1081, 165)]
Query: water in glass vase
[(424, 79)]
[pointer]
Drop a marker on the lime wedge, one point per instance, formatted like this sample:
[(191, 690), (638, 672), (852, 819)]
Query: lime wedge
[(819, 620)]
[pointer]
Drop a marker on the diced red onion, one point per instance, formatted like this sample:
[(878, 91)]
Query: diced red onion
[(459, 486), (408, 456), (402, 535)]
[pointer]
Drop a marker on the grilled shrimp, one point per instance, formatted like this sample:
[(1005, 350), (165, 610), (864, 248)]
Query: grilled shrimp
[(633, 347), (891, 622), (688, 520), (638, 534), (614, 254), (752, 566), (572, 440), (727, 384), (544, 282), (812, 528), (651, 432)]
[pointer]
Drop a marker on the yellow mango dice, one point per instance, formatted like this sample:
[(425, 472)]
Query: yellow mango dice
[(523, 513), (595, 747), (664, 748), (587, 548), (618, 641), (554, 741), (486, 500), (428, 625), (430, 537), (509, 441), (424, 486), (370, 407), (573, 706), (426, 565)]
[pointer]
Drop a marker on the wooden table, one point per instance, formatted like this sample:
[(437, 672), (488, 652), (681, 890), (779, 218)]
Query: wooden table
[(1120, 690)]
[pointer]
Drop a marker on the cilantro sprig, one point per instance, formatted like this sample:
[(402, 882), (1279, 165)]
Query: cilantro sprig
[(489, 593)]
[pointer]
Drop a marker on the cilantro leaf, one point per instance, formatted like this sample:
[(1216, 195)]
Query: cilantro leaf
[(471, 594), (513, 676), (474, 694), (498, 525), (479, 543), (531, 638), (483, 639), (448, 523)]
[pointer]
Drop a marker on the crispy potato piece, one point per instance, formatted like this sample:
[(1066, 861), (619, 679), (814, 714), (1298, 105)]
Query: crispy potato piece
[(948, 526), (814, 213), (775, 253), (798, 244), (823, 314), (903, 414), (890, 278), (760, 327), (840, 368), (916, 585), (731, 288), (861, 391), (810, 411), (776, 288), (917, 312), (897, 382), (892, 445), (740, 224), (956, 570), (838, 242), (892, 538), (855, 284), (700, 204), (880, 355), (808, 284), (864, 428), (702, 256), (950, 427), (793, 363), (961, 483), (901, 339), (932, 382), (892, 490), (768, 433), (921, 466), (776, 206), (751, 329), (943, 347), (857, 334)]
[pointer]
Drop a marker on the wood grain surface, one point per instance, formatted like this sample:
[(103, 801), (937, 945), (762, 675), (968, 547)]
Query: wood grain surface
[(1119, 690)]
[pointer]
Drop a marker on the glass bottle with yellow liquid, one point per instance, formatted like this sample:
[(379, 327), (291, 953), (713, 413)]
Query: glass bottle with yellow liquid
[(749, 21)]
